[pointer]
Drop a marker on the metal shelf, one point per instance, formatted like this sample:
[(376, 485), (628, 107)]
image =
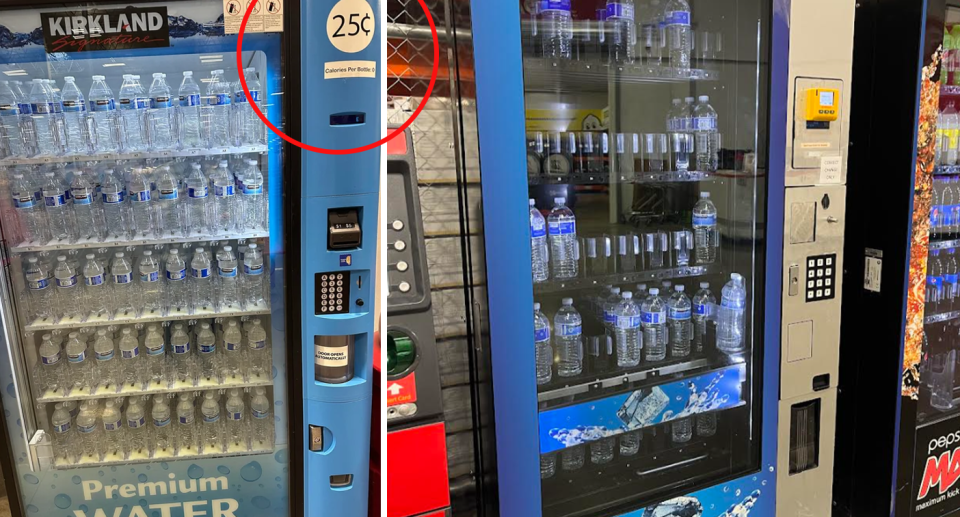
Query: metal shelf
[(942, 245), (126, 391), (620, 378), (39, 325), (183, 153), (541, 74), (607, 178), (115, 243), (553, 286), (946, 169), (943, 316), (950, 89), (116, 459)]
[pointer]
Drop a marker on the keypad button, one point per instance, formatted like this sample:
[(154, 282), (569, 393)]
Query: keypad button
[(811, 273), (397, 225), (819, 273), (826, 292), (404, 287), (339, 276), (819, 293), (819, 283), (809, 283), (829, 271), (829, 261), (811, 263), (828, 282), (400, 245), (819, 262), (402, 266)]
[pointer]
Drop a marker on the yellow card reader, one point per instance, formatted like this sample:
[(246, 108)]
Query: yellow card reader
[(822, 104)]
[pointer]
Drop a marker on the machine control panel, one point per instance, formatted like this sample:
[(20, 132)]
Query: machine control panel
[(821, 277), (344, 232), (333, 293)]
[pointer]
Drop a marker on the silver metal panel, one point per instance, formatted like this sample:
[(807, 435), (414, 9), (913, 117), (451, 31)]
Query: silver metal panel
[(809, 493)]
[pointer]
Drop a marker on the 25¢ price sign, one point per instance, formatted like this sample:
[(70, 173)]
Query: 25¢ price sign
[(351, 25)]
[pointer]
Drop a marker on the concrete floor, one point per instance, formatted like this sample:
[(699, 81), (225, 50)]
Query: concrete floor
[(4, 507)]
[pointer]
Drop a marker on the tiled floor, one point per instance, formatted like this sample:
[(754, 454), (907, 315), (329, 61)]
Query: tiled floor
[(4, 507)]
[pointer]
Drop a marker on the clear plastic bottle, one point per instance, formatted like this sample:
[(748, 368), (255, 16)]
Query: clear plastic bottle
[(175, 286), (601, 450), (135, 444), (155, 359), (211, 428), (64, 439), (681, 430), (199, 204), (42, 298), (252, 198), (562, 228), (103, 112), (706, 238), (59, 215), (675, 117), (630, 442), (571, 458), (26, 118), (115, 218), (252, 278), (261, 433), (95, 295), (149, 287), (164, 435), (216, 111), (676, 19), (11, 137), (86, 210), (250, 128), (44, 120), (544, 351), (201, 279), (730, 316), (169, 204), (707, 138), (653, 314), (80, 375), (162, 115), (133, 115), (569, 340), (538, 241), (610, 304), (124, 290), (650, 35), (188, 432), (225, 199), (184, 365), (556, 24), (233, 355), (258, 354), (951, 290), (227, 280), (189, 113), (76, 138), (50, 369), (622, 31), (107, 366), (88, 431), (679, 321), (131, 373), (703, 311), (236, 424), (207, 357), (706, 424), (142, 203), (113, 431), (30, 216), (629, 339)]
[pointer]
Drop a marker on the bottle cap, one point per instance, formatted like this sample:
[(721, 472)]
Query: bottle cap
[(184, 396), (736, 276), (628, 295), (208, 395), (147, 253), (70, 78), (567, 302), (32, 260), (679, 288), (228, 248), (119, 254), (97, 78), (654, 291), (704, 285), (559, 200), (62, 258), (688, 99), (703, 98), (536, 307), (704, 195), (90, 256), (58, 405), (73, 335), (126, 331), (157, 75), (641, 287), (667, 283), (174, 251), (48, 174), (615, 290), (199, 250), (187, 73), (676, 102), (18, 176), (253, 246)]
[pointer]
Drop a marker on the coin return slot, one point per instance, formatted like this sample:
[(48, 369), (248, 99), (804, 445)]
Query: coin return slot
[(341, 481)]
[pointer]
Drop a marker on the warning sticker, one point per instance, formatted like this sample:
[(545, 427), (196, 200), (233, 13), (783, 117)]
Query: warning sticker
[(267, 16), (331, 356), (402, 391)]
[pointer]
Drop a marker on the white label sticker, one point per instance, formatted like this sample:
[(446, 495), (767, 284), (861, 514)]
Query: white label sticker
[(831, 169), (351, 25), (330, 356), (343, 69), (872, 270), (234, 11)]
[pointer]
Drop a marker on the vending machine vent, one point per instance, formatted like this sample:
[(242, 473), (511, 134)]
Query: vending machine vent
[(804, 436)]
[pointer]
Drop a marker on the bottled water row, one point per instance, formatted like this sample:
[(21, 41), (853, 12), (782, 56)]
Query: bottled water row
[(943, 282), (945, 207), (91, 203), (558, 253), (603, 449), (45, 120), (110, 360), (948, 136), (694, 133), (134, 428)]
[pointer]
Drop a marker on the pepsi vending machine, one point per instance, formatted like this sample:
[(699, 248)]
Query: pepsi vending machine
[(157, 352)]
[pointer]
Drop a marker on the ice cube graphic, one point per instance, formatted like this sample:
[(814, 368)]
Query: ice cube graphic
[(678, 507), (639, 411)]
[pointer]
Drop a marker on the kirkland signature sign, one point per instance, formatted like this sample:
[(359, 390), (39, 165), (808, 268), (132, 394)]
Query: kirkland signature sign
[(105, 29)]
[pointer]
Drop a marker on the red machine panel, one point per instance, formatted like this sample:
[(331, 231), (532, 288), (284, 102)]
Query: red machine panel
[(417, 477)]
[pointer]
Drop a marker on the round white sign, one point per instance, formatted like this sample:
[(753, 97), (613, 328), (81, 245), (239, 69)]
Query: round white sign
[(351, 25)]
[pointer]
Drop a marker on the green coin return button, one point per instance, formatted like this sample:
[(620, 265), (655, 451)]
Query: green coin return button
[(401, 352)]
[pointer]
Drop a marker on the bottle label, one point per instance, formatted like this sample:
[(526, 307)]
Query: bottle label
[(538, 232), (111, 426), (258, 345), (209, 419), (220, 99), (25, 201), (705, 220), (42, 108), (62, 428), (143, 103), (674, 18), (186, 419), (153, 276), (9, 109), (156, 351), (51, 360), (252, 189), (563, 228), (223, 190), (160, 102), (952, 279), (82, 196), (653, 318), (25, 108), (161, 422), (934, 215), (104, 356), (198, 193), (259, 414), (235, 416), (331, 356), (541, 334), (568, 330), (140, 196), (125, 278), (113, 199), (55, 200), (241, 98), (678, 314), (169, 194), (68, 282), (102, 105), (705, 123), (208, 349), (37, 285), (201, 273), (73, 106), (136, 423), (190, 100), (130, 354), (87, 428), (253, 270), (76, 358), (628, 322), (732, 304), (94, 280), (183, 348), (555, 5), (233, 347), (609, 317), (176, 275), (618, 10), (934, 281), (228, 272), (703, 309)]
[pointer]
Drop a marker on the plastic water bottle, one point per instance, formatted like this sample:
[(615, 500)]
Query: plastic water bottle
[(130, 372), (32, 224), (107, 366), (253, 198), (75, 133), (86, 210), (934, 282), (557, 26), (224, 194), (50, 369), (135, 444), (124, 290), (622, 35), (162, 115), (571, 458), (227, 280), (26, 120), (164, 435), (133, 115), (149, 286), (188, 434), (59, 214), (627, 329), (233, 363), (103, 111), (95, 289), (538, 241), (252, 278), (113, 431), (951, 126), (175, 288), (184, 367), (11, 138), (601, 450), (88, 431), (730, 321), (42, 298), (199, 204), (610, 311), (141, 202), (951, 289), (68, 290), (544, 351), (249, 126), (703, 311), (168, 188), (236, 425), (650, 15), (569, 342), (686, 115), (676, 19), (155, 359), (112, 195), (211, 428), (217, 109), (261, 434), (207, 354), (653, 314), (64, 439), (562, 228), (201, 278), (258, 354), (190, 113), (706, 238), (43, 120), (681, 431), (675, 117), (79, 367), (679, 321), (707, 137), (947, 200)]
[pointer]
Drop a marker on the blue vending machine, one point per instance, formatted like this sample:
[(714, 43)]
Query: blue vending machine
[(663, 282), (178, 338)]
